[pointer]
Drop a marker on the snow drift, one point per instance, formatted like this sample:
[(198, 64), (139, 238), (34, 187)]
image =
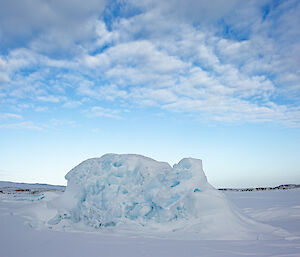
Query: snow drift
[(138, 194)]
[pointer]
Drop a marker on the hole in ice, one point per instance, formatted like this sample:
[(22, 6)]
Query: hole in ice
[(117, 164), (110, 224), (175, 184), (197, 190)]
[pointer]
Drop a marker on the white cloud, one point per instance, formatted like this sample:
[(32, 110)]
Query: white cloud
[(41, 109), (51, 26), (10, 116), (157, 95), (62, 122), (108, 92), (72, 104), (189, 10), (178, 61), (21, 125), (49, 98), (98, 111)]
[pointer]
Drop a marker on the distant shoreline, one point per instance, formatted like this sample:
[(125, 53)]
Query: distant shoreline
[(281, 187), (23, 187)]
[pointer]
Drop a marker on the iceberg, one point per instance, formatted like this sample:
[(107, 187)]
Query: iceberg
[(128, 192)]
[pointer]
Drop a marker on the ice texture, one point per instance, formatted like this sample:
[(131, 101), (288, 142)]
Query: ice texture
[(134, 192)]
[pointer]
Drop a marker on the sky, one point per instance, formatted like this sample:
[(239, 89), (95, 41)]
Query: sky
[(215, 80)]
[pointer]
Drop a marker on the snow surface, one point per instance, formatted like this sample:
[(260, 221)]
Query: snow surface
[(18, 238), (138, 195)]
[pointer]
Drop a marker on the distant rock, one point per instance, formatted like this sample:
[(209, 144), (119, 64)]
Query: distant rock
[(281, 187)]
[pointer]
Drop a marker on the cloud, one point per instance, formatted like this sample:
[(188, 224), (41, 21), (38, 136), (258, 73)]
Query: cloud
[(184, 57), (107, 92), (272, 46), (41, 109), (189, 10), (21, 125), (72, 104), (51, 26), (49, 98), (62, 122), (10, 116), (98, 111)]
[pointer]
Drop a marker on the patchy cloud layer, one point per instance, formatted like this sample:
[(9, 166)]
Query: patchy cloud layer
[(233, 61)]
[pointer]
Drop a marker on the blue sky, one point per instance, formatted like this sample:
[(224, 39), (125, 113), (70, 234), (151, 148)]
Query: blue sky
[(215, 80)]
